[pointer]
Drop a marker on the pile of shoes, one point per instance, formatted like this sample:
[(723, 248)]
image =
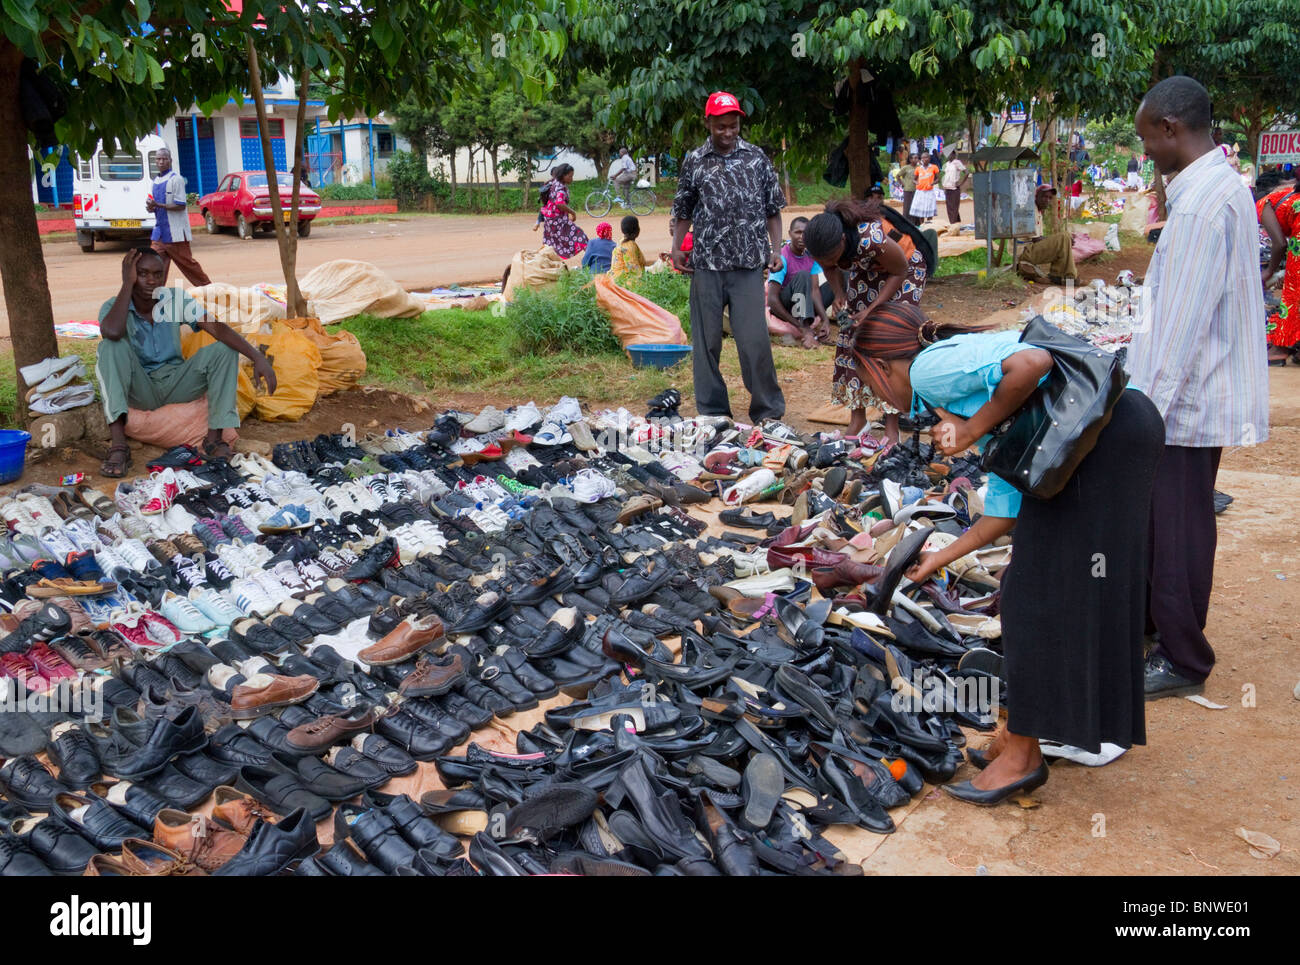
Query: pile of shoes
[(224, 653), (57, 385)]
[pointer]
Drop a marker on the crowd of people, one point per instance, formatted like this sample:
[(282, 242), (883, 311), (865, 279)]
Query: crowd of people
[(1198, 382)]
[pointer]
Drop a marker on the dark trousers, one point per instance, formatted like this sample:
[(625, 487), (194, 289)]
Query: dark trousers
[(1183, 537), (181, 256), (907, 205), (741, 290), (952, 199), (796, 296)]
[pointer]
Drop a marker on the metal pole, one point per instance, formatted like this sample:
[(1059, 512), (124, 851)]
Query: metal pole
[(198, 164), (370, 137)]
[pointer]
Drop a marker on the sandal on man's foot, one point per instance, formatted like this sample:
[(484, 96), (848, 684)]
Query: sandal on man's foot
[(117, 463), (218, 450)]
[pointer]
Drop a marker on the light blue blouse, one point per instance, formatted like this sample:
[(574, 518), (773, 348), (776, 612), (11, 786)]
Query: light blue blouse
[(960, 374)]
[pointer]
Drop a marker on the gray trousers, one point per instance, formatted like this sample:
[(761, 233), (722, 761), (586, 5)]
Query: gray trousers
[(796, 296), (743, 291)]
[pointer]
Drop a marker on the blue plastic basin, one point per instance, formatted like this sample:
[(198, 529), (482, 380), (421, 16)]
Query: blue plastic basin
[(657, 356), (13, 453)]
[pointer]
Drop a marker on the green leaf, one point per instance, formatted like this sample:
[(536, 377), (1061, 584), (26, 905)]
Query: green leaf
[(142, 10)]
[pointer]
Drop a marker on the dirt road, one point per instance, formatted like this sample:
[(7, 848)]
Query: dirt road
[(419, 251)]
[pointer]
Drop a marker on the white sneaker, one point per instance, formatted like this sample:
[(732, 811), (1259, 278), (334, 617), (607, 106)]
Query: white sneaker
[(490, 418), (184, 615), (40, 509), (552, 433), (82, 533), (286, 573), (109, 559), (251, 598), (519, 459), (215, 606), (435, 482), (312, 574), (236, 560), (135, 553), (40, 371), (567, 410), (749, 487), (522, 417), (187, 481), (19, 518), (589, 486), (179, 519)]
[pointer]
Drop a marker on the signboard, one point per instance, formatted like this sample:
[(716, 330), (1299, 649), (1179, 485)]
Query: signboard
[(1279, 147), (1017, 114)]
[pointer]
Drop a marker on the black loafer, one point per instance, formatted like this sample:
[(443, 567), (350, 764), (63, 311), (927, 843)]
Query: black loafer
[(281, 791), (95, 820), (409, 732), (376, 834), (73, 753), (415, 826), (965, 791), (18, 861), (345, 861), (137, 802), (168, 738), (232, 744), (206, 770), (177, 789), (385, 753), (352, 763)]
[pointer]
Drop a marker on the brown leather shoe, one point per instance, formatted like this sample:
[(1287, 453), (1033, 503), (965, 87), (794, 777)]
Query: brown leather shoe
[(430, 679), (843, 573), (239, 812), (199, 841), (638, 506), (314, 737), (403, 641), (106, 866), (266, 692), (145, 859)]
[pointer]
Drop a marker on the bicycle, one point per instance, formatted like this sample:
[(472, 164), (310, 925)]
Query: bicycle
[(640, 201)]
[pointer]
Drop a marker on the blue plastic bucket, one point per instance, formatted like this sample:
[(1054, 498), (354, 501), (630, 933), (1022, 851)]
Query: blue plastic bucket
[(657, 356), (13, 453)]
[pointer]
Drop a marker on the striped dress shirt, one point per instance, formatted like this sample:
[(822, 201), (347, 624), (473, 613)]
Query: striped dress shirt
[(1198, 348)]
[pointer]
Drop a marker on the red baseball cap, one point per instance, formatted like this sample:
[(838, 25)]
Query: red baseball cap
[(720, 102)]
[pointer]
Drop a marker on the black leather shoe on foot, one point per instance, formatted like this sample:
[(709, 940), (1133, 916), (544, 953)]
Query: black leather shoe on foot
[(965, 791), (1162, 680)]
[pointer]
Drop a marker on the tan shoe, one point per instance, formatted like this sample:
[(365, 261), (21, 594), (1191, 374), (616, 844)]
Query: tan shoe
[(200, 841), (146, 859), (403, 641), (264, 692), (638, 506), (239, 812)]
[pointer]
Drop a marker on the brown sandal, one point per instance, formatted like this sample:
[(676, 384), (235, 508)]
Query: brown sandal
[(108, 466), (215, 450)]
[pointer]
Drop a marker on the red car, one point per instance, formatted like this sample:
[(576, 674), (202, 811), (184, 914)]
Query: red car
[(243, 201)]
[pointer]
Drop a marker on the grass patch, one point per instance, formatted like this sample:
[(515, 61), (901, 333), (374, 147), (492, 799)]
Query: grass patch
[(86, 348), (973, 260)]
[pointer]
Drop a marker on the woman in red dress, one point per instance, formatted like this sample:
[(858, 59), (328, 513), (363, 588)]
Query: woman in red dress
[(1279, 215)]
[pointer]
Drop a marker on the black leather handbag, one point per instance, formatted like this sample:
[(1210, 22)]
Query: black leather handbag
[(1038, 449)]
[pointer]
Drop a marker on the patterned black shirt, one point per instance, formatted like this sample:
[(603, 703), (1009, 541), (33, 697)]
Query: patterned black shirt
[(728, 199)]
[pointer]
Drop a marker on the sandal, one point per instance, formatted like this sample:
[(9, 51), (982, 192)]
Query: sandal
[(112, 468), (218, 450)]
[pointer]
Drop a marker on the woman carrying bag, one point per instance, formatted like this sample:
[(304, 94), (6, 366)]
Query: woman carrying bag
[(1073, 600)]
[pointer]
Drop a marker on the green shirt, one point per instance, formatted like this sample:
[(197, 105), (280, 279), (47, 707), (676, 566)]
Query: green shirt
[(157, 341), (908, 176)]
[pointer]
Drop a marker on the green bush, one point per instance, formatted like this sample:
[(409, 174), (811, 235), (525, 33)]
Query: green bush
[(411, 181), (669, 289), (561, 317), (347, 192)]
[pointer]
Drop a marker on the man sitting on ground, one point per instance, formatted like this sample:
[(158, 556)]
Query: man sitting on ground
[(798, 294), (1049, 257), (140, 362)]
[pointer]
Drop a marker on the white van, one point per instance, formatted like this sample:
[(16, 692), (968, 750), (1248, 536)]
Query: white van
[(109, 191)]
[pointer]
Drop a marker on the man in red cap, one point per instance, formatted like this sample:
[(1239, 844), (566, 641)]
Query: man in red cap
[(728, 190)]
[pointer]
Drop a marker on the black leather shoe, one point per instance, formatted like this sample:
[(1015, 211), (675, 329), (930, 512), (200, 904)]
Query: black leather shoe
[(352, 763), (62, 849), (138, 803), (373, 560), (733, 847), (26, 780), (414, 825), (202, 769), (385, 753), (1162, 680), (321, 779), (169, 737), (73, 753), (280, 791), (179, 790), (345, 861), (233, 745), (484, 610), (560, 806), (274, 848), (375, 834), (965, 791), (409, 732), (98, 823), (18, 861)]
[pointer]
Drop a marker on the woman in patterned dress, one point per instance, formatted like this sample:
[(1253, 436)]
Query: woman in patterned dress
[(559, 230), (1279, 215), (874, 270)]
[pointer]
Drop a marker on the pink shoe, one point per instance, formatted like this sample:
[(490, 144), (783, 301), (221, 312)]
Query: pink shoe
[(159, 629), (163, 490), (134, 632)]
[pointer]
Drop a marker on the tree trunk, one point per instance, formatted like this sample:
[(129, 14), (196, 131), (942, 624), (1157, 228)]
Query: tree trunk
[(22, 263), (859, 149), (288, 248), (451, 164), (496, 179)]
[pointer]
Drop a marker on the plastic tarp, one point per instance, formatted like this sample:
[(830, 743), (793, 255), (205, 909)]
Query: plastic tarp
[(243, 309), (636, 320), (296, 361), (176, 424), (339, 289), (534, 269)]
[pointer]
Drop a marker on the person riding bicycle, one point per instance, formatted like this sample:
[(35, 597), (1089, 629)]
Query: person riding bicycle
[(622, 173)]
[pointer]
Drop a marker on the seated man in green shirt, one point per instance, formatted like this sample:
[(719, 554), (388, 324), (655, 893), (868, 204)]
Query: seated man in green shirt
[(140, 362)]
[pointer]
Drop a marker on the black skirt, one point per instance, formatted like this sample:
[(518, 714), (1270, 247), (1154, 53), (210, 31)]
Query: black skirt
[(1074, 598)]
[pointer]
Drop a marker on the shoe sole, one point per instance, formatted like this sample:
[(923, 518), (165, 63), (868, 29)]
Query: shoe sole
[(763, 785)]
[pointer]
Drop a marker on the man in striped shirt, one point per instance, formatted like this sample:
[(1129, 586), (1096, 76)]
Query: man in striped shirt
[(1198, 353)]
